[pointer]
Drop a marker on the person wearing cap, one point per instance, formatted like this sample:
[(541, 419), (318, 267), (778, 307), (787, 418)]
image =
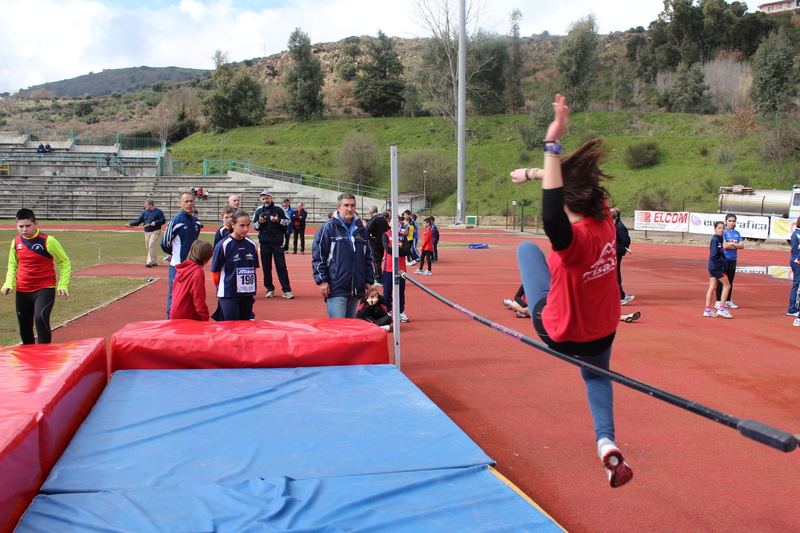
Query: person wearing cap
[(287, 208), (271, 222)]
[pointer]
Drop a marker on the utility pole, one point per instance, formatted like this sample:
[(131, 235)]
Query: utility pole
[(461, 200)]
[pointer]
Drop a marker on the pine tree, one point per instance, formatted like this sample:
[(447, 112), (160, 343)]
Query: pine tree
[(303, 80), (379, 88), (775, 76)]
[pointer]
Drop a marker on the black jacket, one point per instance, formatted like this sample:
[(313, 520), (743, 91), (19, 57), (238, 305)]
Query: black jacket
[(269, 231)]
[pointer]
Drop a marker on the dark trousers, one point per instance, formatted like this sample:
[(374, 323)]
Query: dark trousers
[(269, 252), (619, 276), (426, 254), (730, 273), (286, 238), (388, 287), (239, 308), (377, 260), (34, 308), (301, 234)]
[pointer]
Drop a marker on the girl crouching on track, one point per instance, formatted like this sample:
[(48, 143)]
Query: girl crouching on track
[(717, 268), (574, 295), (234, 268)]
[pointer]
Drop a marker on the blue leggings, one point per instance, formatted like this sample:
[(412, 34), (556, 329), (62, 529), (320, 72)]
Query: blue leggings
[(536, 280)]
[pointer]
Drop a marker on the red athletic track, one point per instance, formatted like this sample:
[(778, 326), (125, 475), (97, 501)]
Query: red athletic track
[(528, 410)]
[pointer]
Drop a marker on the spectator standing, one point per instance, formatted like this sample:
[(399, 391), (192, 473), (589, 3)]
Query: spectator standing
[(153, 219), (181, 232), (270, 221), (189, 288), (31, 270), (732, 243), (298, 221), (623, 245), (435, 229), (225, 229), (403, 251), (287, 208), (234, 201), (794, 262), (426, 245), (233, 269), (376, 227), (342, 260), (717, 270)]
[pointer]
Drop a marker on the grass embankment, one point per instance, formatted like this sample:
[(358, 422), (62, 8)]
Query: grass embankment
[(86, 293), (684, 179)]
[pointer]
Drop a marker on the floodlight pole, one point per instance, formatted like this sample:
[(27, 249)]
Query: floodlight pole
[(461, 121), (395, 259)]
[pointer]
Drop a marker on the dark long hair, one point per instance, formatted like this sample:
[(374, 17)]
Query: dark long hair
[(582, 176)]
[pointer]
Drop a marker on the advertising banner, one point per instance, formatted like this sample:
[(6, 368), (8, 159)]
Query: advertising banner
[(748, 226), (661, 221), (781, 228)]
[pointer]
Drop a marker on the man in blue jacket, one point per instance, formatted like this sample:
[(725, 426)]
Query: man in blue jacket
[(152, 218), (342, 261), (181, 232)]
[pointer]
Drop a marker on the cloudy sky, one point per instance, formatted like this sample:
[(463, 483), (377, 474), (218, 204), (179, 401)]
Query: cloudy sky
[(49, 40)]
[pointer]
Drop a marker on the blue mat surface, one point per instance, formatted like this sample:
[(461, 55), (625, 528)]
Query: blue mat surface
[(174, 427), (436, 501)]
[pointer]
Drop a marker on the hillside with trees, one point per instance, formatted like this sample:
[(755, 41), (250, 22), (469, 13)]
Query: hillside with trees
[(710, 70)]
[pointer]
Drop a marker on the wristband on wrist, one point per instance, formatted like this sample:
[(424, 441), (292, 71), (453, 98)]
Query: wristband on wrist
[(527, 176), (553, 146)]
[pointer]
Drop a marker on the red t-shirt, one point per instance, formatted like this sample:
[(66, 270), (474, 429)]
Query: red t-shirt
[(583, 303), (427, 240), (388, 264), (35, 269)]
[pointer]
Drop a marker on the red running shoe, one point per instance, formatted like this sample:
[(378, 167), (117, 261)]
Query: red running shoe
[(618, 470)]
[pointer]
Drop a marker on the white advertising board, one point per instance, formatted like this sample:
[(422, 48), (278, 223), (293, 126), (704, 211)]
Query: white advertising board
[(661, 221), (781, 228), (748, 226)]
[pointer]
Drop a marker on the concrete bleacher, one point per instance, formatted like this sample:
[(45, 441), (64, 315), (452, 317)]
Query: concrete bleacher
[(105, 182)]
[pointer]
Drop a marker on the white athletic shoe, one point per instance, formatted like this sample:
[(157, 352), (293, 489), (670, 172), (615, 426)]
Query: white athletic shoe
[(709, 313), (403, 317), (724, 313), (507, 303), (796, 322), (730, 305), (617, 469), (627, 299), (716, 304)]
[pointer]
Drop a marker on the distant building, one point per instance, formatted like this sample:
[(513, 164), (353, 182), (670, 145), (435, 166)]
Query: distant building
[(776, 7)]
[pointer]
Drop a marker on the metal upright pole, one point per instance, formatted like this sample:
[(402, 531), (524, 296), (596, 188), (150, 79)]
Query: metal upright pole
[(395, 258), (462, 113)]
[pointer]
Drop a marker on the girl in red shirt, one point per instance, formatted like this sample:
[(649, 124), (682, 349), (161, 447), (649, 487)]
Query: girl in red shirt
[(189, 287), (574, 294)]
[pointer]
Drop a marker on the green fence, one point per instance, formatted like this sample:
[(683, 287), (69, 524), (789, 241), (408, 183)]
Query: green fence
[(222, 166)]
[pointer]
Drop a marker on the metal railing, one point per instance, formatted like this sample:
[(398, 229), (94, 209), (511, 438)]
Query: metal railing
[(222, 166)]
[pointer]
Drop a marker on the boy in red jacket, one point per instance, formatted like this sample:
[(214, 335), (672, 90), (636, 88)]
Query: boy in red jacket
[(189, 287), (426, 245)]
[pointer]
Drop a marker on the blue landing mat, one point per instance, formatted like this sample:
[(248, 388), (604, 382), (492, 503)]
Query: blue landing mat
[(175, 427), (439, 501)]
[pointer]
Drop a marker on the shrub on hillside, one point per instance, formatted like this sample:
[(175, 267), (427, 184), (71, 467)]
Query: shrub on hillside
[(642, 155), (428, 171), (358, 159), (655, 201)]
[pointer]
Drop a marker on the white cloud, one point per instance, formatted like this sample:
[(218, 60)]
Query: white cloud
[(60, 40)]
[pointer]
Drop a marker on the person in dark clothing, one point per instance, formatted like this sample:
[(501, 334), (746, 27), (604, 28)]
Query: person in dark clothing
[(298, 220), (270, 221), (152, 218), (374, 308), (377, 226), (623, 243)]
